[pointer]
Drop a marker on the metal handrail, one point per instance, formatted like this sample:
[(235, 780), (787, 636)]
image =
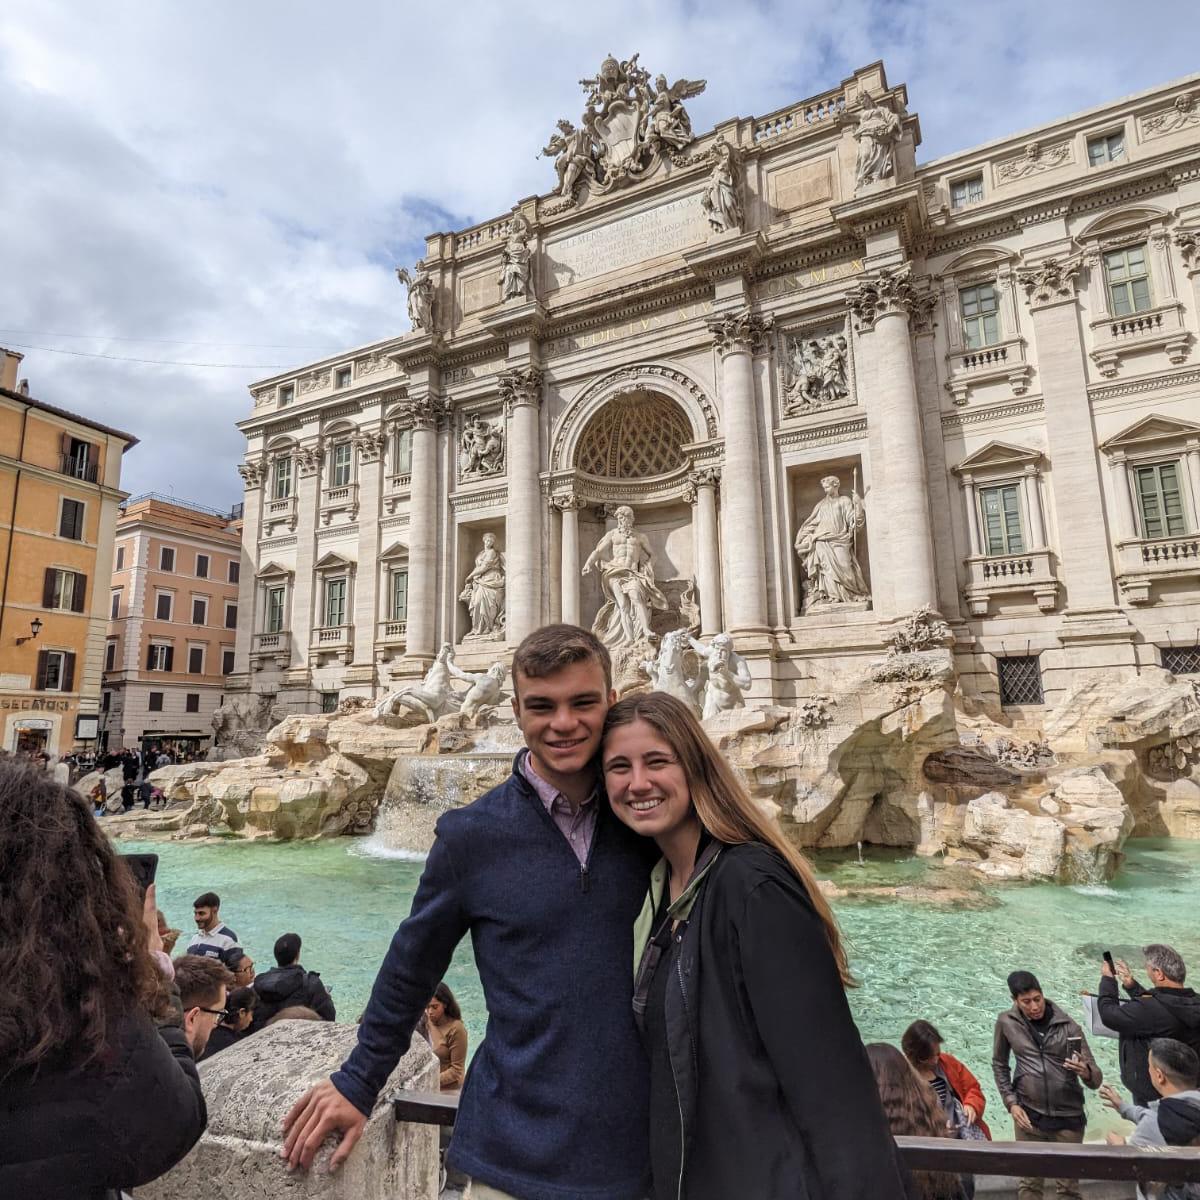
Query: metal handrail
[(1044, 1160)]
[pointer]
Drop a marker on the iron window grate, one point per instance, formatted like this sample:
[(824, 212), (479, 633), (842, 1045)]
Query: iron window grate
[(1020, 680), (1181, 660)]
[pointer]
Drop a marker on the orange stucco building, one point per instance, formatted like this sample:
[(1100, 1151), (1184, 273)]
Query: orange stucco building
[(60, 477)]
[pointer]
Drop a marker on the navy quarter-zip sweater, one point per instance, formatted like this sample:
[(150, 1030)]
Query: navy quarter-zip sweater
[(556, 1101)]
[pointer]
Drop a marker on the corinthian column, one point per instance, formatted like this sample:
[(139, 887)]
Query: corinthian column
[(424, 412), (881, 304), (737, 337), (569, 507), (702, 491), (521, 391)]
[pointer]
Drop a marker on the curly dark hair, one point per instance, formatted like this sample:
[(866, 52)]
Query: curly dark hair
[(912, 1110), (73, 947)]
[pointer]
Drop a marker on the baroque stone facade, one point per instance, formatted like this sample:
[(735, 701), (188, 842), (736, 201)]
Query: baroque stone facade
[(871, 388)]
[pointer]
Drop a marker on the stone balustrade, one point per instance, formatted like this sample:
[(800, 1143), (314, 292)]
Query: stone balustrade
[(992, 576), (1162, 327), (821, 108), (1006, 360), (1143, 561)]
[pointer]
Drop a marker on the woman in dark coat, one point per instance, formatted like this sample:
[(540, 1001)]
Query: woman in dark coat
[(759, 1082), (93, 1098)]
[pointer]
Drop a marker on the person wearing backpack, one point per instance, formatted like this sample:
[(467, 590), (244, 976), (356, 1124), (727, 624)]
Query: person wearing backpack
[(289, 985)]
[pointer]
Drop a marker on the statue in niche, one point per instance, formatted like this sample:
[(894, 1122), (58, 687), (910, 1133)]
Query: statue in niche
[(827, 544), (817, 373), (433, 697), (726, 677), (720, 198), (420, 296), (514, 272), (877, 133), (627, 579), (481, 449), (483, 592), (484, 692), (572, 149), (668, 670)]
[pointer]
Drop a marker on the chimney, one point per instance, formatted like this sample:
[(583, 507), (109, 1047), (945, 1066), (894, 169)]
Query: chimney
[(9, 361)]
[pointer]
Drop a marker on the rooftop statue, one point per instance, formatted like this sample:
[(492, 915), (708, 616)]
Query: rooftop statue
[(877, 133), (420, 296), (514, 271), (720, 199)]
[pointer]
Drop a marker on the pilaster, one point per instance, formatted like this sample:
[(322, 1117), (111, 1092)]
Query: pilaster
[(521, 392), (370, 446), (254, 477), (305, 604), (702, 494)]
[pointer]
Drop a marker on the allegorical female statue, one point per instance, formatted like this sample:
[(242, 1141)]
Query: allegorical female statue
[(827, 545), (720, 198), (514, 269), (483, 591), (878, 132)]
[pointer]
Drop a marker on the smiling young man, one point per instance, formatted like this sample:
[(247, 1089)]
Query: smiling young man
[(548, 884)]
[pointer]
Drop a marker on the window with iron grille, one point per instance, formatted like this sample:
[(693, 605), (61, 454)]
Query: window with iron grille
[(1181, 660), (1020, 680), (980, 316), (329, 702)]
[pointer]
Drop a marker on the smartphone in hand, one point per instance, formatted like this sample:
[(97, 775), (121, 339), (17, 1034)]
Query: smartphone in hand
[(1108, 958), (143, 868)]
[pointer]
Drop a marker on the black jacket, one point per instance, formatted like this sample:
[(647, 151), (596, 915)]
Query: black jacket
[(1149, 1013), (776, 1096), (289, 987), (79, 1135)]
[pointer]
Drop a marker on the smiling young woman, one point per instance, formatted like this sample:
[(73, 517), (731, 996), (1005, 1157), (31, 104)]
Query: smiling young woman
[(740, 992)]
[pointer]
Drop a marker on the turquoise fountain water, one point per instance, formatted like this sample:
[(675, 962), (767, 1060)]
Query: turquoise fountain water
[(345, 897)]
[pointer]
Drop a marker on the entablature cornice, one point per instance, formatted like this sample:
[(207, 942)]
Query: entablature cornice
[(820, 433)]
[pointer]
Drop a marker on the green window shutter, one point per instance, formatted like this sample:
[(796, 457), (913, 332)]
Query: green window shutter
[(1141, 294), (49, 586), (1150, 503), (1012, 520), (1172, 499), (992, 521)]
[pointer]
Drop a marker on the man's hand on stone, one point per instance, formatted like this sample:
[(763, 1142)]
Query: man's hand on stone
[(322, 1110)]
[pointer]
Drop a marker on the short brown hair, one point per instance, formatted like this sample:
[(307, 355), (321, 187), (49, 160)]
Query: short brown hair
[(553, 647), (921, 1042), (200, 980)]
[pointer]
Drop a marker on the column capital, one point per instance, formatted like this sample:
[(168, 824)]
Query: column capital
[(1188, 242), (426, 411), (740, 331), (308, 458), (370, 444), (1050, 281), (703, 477), (568, 503), (253, 473), (890, 290), (519, 387)]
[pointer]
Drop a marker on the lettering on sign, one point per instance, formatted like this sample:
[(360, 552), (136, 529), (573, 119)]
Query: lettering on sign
[(801, 186), (620, 330), (622, 243), (799, 281), (36, 704)]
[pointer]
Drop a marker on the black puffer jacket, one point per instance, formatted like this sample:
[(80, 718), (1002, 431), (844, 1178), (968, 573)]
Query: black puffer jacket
[(1149, 1013), (290, 987), (82, 1135)]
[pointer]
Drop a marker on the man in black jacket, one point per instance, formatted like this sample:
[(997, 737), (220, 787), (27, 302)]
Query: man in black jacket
[(289, 985), (1166, 1009)]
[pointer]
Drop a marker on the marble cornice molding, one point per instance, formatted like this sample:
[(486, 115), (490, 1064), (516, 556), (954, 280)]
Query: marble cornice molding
[(1189, 377), (370, 444), (491, 497), (809, 435), (508, 321), (308, 458), (521, 387), (1051, 281), (726, 255), (890, 290), (992, 412), (1187, 242), (743, 332), (424, 350)]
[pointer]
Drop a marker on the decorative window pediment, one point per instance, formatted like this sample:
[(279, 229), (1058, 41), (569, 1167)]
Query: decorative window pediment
[(998, 457), (397, 552), (981, 262), (1152, 434), (273, 571), (333, 562), (1120, 227)]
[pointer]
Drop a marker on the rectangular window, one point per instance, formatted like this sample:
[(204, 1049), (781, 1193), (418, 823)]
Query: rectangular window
[(120, 558), (105, 701), (231, 616), (199, 612), (980, 308), (160, 657), (191, 702), (1107, 148), (195, 660), (342, 378), (155, 702), (55, 671), (80, 459), (70, 520), (1159, 500), (64, 590), (162, 606), (1181, 660), (281, 489), (287, 393), (115, 610), (329, 702), (1128, 280), (1020, 680), (235, 571), (1001, 510), (166, 558), (110, 656), (275, 599), (402, 452), (340, 464), (201, 566), (399, 606), (335, 603), (966, 191), (226, 662)]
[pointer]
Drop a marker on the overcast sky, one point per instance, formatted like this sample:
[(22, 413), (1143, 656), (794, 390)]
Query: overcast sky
[(232, 183)]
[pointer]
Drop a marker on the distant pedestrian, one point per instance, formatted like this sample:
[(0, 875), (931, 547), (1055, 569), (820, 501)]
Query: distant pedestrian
[(239, 1010), (448, 1037), (145, 794), (289, 985), (957, 1090)]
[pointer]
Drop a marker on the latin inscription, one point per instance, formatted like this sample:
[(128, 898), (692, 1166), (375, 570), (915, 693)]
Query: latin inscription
[(799, 281), (618, 331), (625, 242)]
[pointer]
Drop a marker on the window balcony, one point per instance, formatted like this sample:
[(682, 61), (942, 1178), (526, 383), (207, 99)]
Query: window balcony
[(339, 499), (337, 640), (268, 647), (1001, 575), (1005, 361), (279, 512), (399, 487), (79, 468), (392, 633), (1159, 328), (1143, 561)]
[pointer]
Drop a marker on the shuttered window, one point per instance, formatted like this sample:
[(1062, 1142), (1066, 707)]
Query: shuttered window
[(335, 603), (195, 660), (192, 702), (160, 658), (275, 598), (162, 606), (1001, 510), (64, 590), (399, 596), (55, 671), (1160, 502), (70, 520), (199, 612)]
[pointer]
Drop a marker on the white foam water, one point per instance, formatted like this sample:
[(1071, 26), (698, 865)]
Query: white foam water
[(377, 846), (1094, 889)]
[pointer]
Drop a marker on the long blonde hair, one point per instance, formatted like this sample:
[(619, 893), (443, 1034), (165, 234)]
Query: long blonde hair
[(721, 802)]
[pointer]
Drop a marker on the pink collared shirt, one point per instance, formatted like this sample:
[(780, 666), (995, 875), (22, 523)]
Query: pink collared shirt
[(577, 827)]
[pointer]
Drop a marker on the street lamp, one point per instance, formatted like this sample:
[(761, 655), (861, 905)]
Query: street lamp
[(35, 627)]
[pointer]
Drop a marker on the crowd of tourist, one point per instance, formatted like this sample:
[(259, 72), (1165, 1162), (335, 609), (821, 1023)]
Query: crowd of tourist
[(728, 1063)]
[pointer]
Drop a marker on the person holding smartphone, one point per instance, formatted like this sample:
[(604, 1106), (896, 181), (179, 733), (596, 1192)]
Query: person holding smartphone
[(1044, 1091)]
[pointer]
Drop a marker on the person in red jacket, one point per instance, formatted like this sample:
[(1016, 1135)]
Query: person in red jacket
[(957, 1089)]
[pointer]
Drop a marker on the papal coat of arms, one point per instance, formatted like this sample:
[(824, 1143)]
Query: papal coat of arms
[(629, 124)]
